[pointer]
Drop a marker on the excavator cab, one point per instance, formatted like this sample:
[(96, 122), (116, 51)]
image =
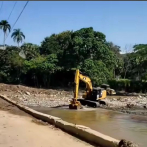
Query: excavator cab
[(96, 94)]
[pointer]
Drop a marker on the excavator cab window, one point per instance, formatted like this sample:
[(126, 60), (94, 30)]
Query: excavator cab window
[(96, 93), (86, 89)]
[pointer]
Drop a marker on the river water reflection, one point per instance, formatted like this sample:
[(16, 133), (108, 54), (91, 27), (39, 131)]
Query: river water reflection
[(114, 124)]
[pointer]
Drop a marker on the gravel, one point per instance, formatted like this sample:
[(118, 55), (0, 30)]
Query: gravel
[(127, 102), (53, 98)]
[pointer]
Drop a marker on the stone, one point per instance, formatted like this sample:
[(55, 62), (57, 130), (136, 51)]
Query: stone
[(28, 93)]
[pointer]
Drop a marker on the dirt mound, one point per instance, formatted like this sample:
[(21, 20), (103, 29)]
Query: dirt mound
[(24, 89), (36, 96)]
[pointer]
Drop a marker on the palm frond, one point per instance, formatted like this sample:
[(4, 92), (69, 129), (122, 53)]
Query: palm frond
[(17, 35)]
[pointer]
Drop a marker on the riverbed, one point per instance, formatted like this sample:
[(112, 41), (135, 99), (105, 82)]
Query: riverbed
[(115, 124)]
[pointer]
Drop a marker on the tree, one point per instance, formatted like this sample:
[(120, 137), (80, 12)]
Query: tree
[(11, 65), (97, 71), (56, 43), (140, 60), (5, 26), (52, 63), (30, 50), (18, 36), (114, 48), (127, 60), (89, 44), (40, 69), (61, 45)]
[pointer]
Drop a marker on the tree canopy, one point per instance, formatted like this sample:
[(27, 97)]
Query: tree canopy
[(53, 63)]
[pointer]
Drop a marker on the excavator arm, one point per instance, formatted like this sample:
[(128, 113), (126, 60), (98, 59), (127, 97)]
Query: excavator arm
[(79, 76)]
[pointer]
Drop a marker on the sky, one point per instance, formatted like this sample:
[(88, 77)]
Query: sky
[(123, 22)]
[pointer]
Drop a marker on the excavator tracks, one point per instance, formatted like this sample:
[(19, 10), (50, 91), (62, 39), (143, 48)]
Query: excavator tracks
[(90, 103)]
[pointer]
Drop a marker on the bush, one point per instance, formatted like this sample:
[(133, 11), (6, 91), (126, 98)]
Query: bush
[(128, 85)]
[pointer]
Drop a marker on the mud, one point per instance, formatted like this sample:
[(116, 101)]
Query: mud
[(39, 122), (5, 106)]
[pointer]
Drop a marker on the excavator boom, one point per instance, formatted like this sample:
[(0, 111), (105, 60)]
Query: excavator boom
[(74, 104)]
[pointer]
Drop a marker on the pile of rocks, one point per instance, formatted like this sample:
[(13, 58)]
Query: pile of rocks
[(43, 100), (128, 102)]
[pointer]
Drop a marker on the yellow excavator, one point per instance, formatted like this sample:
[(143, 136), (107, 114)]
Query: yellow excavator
[(92, 97)]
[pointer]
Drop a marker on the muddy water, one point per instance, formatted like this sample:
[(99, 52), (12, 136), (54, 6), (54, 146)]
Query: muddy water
[(114, 124)]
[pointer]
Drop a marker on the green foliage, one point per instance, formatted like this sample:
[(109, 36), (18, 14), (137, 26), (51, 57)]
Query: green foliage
[(119, 84), (97, 71), (11, 65), (18, 36), (55, 61), (5, 26), (33, 64), (135, 63), (88, 43), (128, 85), (30, 50), (42, 67), (49, 66)]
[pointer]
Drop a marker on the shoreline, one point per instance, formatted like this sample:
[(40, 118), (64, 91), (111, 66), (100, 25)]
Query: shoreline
[(84, 133), (125, 103)]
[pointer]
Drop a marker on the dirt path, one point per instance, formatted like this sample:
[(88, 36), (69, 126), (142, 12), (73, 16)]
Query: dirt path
[(19, 129)]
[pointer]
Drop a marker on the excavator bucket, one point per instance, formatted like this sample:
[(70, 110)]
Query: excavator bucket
[(74, 104)]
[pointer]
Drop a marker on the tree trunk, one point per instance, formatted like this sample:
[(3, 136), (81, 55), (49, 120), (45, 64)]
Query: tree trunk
[(4, 39), (125, 73), (18, 44), (114, 73)]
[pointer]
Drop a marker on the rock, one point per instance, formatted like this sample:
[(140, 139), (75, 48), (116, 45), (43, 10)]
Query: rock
[(140, 96), (28, 93), (114, 99), (125, 143)]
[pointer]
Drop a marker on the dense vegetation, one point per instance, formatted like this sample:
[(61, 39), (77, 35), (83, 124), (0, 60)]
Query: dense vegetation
[(53, 63)]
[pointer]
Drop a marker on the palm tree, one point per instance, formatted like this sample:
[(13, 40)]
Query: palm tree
[(18, 36), (4, 25), (30, 50)]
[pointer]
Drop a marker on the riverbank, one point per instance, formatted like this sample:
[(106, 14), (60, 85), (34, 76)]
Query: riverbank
[(20, 129), (136, 104), (79, 131), (127, 104)]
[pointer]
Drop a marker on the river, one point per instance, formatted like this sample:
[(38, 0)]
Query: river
[(114, 124)]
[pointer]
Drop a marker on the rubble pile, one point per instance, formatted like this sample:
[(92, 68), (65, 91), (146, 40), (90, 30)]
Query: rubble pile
[(53, 98)]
